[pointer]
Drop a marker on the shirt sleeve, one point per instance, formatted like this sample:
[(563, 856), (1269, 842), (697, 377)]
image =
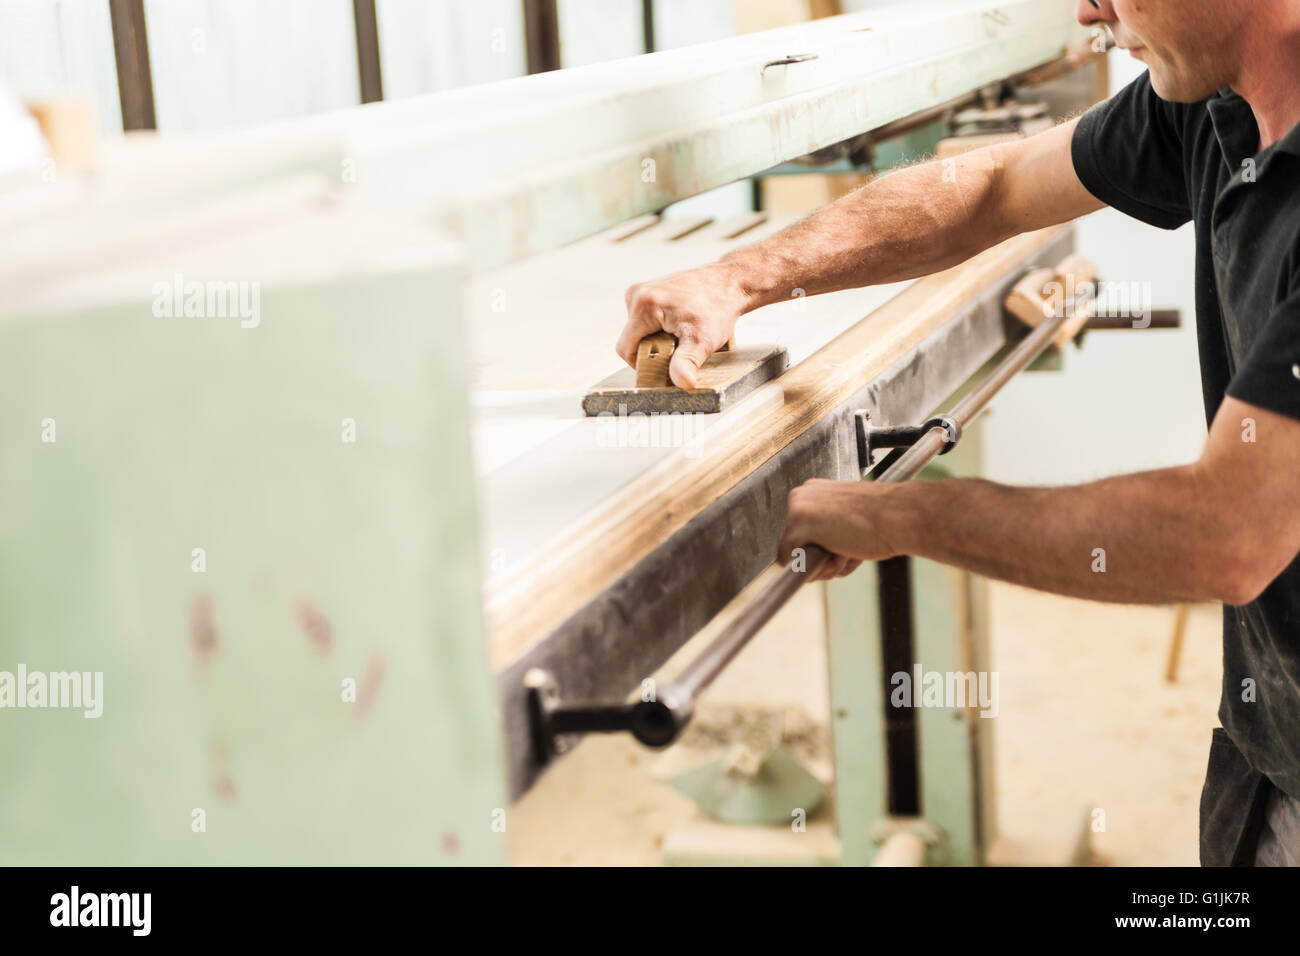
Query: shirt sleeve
[(1128, 152), (1270, 376)]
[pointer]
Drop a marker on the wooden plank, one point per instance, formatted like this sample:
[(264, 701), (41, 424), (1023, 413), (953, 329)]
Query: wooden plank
[(555, 582), (725, 378)]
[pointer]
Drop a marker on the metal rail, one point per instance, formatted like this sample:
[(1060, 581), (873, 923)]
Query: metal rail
[(658, 721)]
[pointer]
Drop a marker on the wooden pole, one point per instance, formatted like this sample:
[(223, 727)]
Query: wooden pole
[(134, 76), (542, 35), (648, 25), (368, 64)]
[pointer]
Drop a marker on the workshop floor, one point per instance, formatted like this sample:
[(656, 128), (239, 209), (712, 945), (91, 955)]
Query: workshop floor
[(1087, 723)]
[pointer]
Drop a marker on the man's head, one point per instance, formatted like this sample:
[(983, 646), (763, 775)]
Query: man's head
[(1191, 47)]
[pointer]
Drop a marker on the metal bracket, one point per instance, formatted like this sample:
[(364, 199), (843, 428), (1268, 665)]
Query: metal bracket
[(554, 724), (873, 437), (790, 60)]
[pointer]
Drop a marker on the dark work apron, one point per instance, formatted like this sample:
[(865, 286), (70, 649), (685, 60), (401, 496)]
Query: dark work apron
[(1232, 805)]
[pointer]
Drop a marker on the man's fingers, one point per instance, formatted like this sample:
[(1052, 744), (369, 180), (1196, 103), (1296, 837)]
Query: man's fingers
[(787, 545), (637, 328), (833, 568), (836, 566), (644, 317), (843, 567), (794, 535)]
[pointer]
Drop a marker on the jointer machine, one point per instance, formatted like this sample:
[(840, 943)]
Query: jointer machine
[(356, 573)]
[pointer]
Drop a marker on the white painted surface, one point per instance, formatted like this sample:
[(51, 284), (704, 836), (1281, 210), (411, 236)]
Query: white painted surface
[(224, 64), (733, 199), (685, 22), (61, 47), (428, 46), (592, 31)]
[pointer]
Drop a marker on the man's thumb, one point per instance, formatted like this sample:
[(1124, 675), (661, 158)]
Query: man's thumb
[(685, 366)]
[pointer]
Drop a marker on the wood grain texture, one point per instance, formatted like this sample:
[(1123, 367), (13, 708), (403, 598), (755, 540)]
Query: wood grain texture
[(595, 551), (653, 357)]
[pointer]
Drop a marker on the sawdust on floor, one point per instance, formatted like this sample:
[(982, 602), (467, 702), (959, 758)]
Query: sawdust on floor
[(1086, 721)]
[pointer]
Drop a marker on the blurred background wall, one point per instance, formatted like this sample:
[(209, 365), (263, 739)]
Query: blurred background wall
[(1131, 401)]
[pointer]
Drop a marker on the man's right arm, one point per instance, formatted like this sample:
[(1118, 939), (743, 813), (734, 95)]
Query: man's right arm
[(910, 223)]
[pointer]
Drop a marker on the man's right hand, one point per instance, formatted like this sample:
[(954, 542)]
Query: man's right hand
[(699, 306), (910, 223)]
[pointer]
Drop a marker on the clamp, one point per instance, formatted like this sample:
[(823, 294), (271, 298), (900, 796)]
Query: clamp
[(873, 437)]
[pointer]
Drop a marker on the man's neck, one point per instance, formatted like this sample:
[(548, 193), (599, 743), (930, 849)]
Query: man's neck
[(1270, 74)]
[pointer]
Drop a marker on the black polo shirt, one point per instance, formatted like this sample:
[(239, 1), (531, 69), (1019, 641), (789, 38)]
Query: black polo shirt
[(1167, 164)]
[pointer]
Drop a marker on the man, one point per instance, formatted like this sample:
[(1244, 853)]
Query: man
[(1208, 135)]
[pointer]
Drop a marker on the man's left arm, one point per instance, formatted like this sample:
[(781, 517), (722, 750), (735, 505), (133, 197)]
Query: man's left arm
[(1220, 529)]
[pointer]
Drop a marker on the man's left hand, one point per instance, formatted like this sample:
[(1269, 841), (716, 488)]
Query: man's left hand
[(844, 517)]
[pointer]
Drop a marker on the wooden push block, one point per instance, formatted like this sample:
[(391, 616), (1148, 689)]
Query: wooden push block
[(1043, 293), (726, 376), (655, 354)]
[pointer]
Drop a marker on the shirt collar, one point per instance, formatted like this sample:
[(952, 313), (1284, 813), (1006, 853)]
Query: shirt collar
[(1290, 143), (1235, 127), (1238, 133)]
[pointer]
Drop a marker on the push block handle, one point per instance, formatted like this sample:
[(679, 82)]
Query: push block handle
[(653, 356), (655, 353)]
